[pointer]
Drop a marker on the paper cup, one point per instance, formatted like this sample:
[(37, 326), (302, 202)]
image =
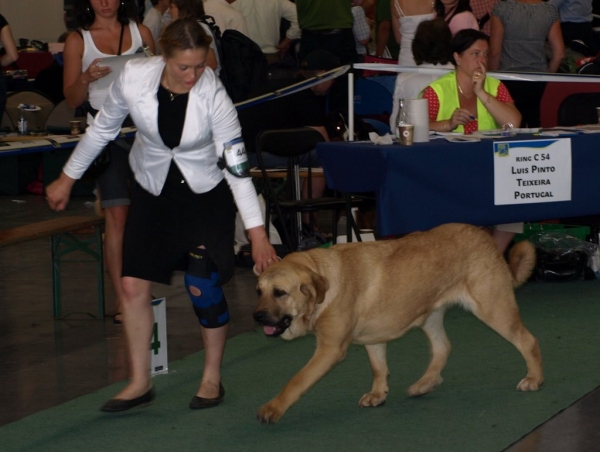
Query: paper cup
[(405, 134), (75, 127)]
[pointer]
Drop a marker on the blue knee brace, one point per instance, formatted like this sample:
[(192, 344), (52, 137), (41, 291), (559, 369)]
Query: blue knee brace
[(210, 306)]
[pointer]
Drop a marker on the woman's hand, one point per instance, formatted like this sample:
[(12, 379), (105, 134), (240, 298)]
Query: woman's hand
[(94, 71), (59, 191), (478, 78), (263, 253), (460, 117)]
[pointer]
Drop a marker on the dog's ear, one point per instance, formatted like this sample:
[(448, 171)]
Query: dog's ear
[(317, 288), (321, 286)]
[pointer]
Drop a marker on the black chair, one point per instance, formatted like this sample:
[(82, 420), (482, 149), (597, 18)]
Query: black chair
[(292, 144), (578, 109)]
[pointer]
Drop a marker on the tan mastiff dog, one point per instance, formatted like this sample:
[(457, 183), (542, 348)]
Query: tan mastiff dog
[(371, 293)]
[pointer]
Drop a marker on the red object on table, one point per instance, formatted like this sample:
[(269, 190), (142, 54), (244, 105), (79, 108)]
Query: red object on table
[(33, 62)]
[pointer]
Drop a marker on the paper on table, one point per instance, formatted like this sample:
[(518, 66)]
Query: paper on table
[(385, 139), (462, 139), (559, 133)]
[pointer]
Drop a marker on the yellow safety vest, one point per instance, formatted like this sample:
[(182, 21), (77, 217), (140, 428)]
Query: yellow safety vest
[(446, 89)]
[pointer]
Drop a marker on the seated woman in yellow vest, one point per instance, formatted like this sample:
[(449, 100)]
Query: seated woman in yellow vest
[(466, 100)]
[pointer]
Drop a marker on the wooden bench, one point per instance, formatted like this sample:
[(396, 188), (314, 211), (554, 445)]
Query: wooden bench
[(67, 236)]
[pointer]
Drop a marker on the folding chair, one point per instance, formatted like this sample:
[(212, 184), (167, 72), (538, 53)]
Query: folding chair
[(292, 144)]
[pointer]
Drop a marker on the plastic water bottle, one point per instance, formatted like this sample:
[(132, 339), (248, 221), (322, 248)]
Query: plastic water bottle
[(402, 117), (22, 123)]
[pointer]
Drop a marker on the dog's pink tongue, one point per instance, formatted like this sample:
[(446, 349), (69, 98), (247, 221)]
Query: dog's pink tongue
[(269, 330)]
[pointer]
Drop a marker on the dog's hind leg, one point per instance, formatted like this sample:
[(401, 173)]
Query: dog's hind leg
[(379, 390), (502, 315), (440, 350)]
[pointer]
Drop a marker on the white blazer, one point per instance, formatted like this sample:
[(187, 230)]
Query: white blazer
[(210, 121)]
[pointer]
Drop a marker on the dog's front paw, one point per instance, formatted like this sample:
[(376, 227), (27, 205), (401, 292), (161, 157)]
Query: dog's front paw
[(269, 413), (529, 384), (372, 399)]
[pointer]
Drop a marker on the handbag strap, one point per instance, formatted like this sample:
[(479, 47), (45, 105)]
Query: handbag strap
[(121, 39)]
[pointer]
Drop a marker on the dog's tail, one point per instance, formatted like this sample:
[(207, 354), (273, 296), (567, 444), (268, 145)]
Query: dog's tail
[(521, 261)]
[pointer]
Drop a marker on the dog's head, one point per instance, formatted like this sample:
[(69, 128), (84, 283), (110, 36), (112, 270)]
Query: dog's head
[(288, 295)]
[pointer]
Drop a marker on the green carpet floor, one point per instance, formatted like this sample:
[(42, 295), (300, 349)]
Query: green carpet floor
[(476, 408)]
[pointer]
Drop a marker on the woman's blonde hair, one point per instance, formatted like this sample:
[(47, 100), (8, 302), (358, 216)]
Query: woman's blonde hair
[(183, 34)]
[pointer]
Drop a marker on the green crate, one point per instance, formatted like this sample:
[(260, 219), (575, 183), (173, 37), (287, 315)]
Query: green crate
[(579, 232)]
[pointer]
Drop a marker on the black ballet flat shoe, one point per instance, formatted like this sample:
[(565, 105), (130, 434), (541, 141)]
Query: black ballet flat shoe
[(114, 405), (199, 403)]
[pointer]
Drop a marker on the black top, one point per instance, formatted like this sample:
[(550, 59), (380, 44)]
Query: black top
[(171, 116), (3, 22)]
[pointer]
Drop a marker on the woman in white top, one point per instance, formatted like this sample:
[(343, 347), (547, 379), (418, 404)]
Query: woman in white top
[(431, 49), (108, 28), (182, 214), (406, 17)]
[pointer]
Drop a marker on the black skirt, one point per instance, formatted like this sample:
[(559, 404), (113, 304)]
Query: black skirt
[(162, 230)]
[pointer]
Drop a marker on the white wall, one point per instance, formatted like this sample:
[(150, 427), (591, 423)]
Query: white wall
[(34, 19)]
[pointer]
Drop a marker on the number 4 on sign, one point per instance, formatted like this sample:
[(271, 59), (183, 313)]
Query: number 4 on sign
[(155, 344), (159, 363)]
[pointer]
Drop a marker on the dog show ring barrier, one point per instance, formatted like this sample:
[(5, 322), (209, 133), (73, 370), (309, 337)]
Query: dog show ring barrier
[(67, 236)]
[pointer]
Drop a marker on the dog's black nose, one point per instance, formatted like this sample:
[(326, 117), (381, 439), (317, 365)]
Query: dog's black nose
[(259, 316)]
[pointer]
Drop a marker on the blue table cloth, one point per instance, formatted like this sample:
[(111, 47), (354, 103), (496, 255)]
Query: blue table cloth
[(427, 184)]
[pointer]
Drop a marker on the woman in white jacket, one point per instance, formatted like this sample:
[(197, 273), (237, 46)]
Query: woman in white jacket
[(182, 213)]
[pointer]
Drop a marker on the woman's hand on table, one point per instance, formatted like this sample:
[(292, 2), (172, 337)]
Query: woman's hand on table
[(460, 117)]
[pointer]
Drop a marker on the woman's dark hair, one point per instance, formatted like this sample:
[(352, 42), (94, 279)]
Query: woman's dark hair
[(461, 6), (465, 39), (190, 8), (85, 13), (431, 43), (183, 34)]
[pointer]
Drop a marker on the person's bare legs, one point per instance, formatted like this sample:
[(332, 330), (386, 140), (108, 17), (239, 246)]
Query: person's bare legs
[(115, 218), (138, 321), (214, 347), (502, 239)]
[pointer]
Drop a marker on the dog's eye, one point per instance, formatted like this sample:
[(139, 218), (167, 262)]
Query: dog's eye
[(259, 292), (278, 293)]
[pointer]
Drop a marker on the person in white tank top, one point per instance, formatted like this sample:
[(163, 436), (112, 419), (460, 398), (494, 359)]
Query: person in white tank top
[(91, 53), (406, 17), (108, 28)]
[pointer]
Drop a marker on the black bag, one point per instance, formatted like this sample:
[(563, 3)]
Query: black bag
[(553, 267), (243, 65)]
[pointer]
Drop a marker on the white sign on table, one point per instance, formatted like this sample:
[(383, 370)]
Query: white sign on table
[(532, 171), (159, 362)]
